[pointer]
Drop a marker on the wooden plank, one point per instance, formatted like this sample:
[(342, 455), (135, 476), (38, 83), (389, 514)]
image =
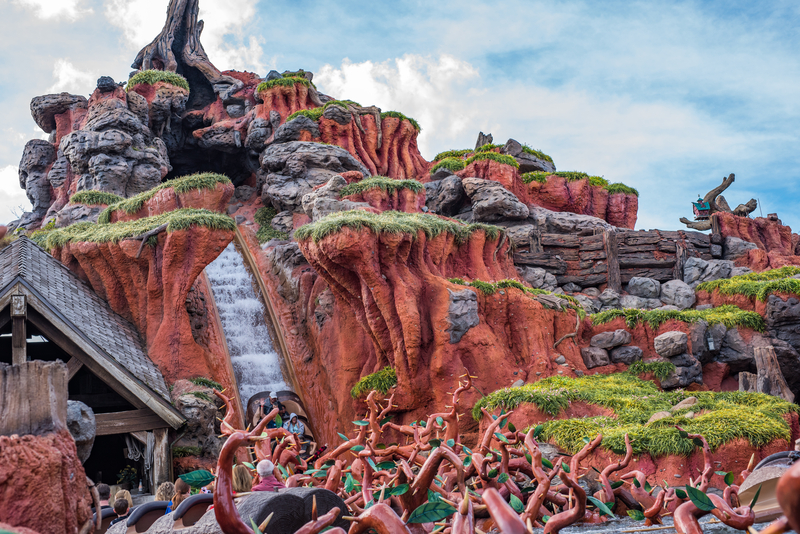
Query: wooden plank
[(640, 238), (130, 421), (594, 255), (18, 341), (583, 280), (545, 260), (662, 275), (140, 435), (612, 255), (566, 254), (645, 259), (162, 458), (667, 246), (33, 398), (73, 366), (770, 379), (680, 260), (560, 240)]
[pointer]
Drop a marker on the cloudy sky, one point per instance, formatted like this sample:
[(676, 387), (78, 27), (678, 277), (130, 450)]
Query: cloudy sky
[(665, 97)]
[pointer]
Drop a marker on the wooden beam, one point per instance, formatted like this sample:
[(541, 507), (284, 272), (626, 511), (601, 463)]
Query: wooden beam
[(5, 316), (18, 341), (126, 422), (162, 457), (33, 398), (680, 260), (73, 366), (612, 259), (140, 435)]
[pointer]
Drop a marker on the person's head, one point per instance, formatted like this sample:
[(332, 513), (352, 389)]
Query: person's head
[(273, 398), (282, 410), (293, 418), (165, 491), (265, 468), (181, 492), (104, 491), (121, 507), (124, 494), (242, 480)]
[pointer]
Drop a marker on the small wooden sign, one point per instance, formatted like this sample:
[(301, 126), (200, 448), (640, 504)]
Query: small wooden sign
[(18, 306)]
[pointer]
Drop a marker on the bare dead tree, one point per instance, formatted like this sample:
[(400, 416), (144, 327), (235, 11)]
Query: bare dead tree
[(717, 203)]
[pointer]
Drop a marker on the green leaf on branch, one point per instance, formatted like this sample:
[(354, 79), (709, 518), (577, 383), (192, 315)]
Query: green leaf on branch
[(357, 448), (537, 431), (503, 478), (647, 487), (440, 421), (547, 463), (467, 461), (564, 467), (492, 473), (511, 427), (529, 458), (248, 465), (435, 442), (545, 519), (680, 494), (603, 507), (683, 434), (699, 499), (431, 512), (399, 490), (516, 504), (385, 466), (500, 437), (450, 443), (255, 527), (198, 479), (755, 497), (617, 484), (361, 423), (636, 515), (637, 483), (342, 436), (349, 483), (385, 420), (433, 496), (697, 441)]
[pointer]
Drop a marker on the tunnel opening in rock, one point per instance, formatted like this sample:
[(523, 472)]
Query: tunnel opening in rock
[(194, 159)]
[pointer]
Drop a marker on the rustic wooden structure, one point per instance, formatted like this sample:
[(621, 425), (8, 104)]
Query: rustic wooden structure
[(769, 379), (33, 398), (713, 202), (39, 296), (612, 258)]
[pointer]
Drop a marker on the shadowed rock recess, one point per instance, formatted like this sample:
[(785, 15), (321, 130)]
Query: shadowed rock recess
[(486, 261)]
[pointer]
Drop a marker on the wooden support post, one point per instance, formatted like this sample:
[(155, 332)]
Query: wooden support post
[(33, 398), (680, 261), (18, 333), (73, 366), (162, 457), (770, 379), (612, 258)]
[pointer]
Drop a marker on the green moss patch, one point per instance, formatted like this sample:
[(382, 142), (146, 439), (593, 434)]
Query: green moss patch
[(393, 222), (454, 164), (382, 381), (452, 154), (182, 452), (93, 198), (114, 232), (390, 185), (490, 288), (573, 176), (488, 147), (494, 156), (206, 382), (152, 77), (288, 81), (621, 188), (266, 232), (757, 285), (659, 369), (536, 153), (722, 417), (314, 114), (535, 176), (729, 315), (398, 115), (340, 103), (206, 180)]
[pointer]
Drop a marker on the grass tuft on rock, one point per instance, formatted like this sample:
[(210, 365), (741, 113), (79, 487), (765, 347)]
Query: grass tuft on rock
[(288, 81), (263, 217), (382, 381), (621, 188), (494, 156), (536, 153), (314, 114), (454, 164), (452, 154), (182, 452), (393, 222), (340, 103), (490, 288), (89, 232), (206, 382), (535, 176), (94, 198), (723, 416), (402, 117), (488, 147), (152, 77), (184, 184), (728, 315), (660, 370), (390, 185), (757, 285)]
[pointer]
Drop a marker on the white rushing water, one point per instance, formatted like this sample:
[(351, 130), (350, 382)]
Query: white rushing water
[(256, 363)]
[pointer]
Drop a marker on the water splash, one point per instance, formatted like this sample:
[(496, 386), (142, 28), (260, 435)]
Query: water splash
[(256, 363)]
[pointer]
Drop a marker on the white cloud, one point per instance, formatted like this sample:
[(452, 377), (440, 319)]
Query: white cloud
[(12, 198), (70, 79), (223, 37), (50, 9)]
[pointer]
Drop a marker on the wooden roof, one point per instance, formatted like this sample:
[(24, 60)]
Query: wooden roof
[(102, 333)]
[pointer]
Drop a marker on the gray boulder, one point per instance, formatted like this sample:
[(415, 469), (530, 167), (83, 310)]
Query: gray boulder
[(37, 158), (609, 298), (647, 288), (737, 353), (629, 301), (609, 340), (595, 357), (738, 271), (538, 278), (338, 114), (527, 162), (521, 236), (493, 202), (570, 287), (258, 132), (445, 196), (677, 293), (441, 173), (557, 222), (294, 168), (783, 319), (697, 270), (45, 108), (671, 344), (462, 313), (292, 130), (325, 200), (82, 427), (283, 222), (592, 292), (683, 376), (588, 304), (706, 341), (626, 355), (734, 247)]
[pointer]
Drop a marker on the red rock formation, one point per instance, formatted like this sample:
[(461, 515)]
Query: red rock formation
[(401, 200), (42, 484), (768, 235), (285, 100), (167, 199), (505, 175)]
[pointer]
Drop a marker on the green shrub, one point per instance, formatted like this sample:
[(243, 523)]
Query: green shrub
[(398, 115), (202, 396), (490, 288), (488, 147), (598, 181), (184, 184), (297, 74), (114, 232), (535, 176), (389, 185), (621, 188), (452, 154), (382, 381), (289, 81), (314, 114), (494, 156), (93, 198), (660, 370), (454, 164), (206, 382), (757, 285), (723, 416), (536, 153), (340, 103), (393, 222), (181, 452), (730, 316), (152, 77), (263, 217)]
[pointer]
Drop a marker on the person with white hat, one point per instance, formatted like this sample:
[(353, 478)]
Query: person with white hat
[(267, 479)]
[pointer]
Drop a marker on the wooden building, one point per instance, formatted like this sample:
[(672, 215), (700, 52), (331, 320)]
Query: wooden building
[(48, 313)]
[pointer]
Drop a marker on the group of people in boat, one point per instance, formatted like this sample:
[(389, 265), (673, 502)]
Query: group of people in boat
[(291, 424)]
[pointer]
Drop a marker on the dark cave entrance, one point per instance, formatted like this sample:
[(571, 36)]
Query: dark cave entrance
[(190, 159)]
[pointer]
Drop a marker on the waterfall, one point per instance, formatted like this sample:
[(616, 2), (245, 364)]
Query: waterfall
[(256, 363)]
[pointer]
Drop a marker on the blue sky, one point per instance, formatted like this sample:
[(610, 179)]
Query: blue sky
[(665, 97)]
